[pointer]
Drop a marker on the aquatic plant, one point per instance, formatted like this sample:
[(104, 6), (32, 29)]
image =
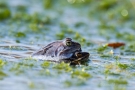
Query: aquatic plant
[(80, 74)]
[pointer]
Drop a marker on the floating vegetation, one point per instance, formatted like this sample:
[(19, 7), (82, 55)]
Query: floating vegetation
[(45, 64), (2, 75), (4, 11), (70, 83), (2, 63), (28, 25), (63, 67), (102, 48), (123, 66), (80, 74), (118, 81), (20, 34)]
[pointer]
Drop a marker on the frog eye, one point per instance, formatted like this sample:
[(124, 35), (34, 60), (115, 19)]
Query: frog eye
[(68, 43)]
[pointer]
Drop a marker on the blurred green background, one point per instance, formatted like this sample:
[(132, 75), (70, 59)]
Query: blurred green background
[(107, 19)]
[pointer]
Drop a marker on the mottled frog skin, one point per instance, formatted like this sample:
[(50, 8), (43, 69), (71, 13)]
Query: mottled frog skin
[(63, 50)]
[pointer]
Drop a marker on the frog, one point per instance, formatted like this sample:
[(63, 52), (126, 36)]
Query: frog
[(65, 50)]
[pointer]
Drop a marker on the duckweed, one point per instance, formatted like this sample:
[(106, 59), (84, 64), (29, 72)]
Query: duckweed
[(63, 66), (4, 11), (2, 75), (2, 63), (31, 84), (48, 3), (118, 81), (123, 66), (4, 14), (45, 72), (70, 83), (20, 34), (33, 27), (110, 72), (80, 74), (107, 4), (21, 8), (60, 35), (79, 24), (102, 48), (45, 64), (92, 23)]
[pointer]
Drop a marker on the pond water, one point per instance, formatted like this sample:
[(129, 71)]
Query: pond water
[(27, 25)]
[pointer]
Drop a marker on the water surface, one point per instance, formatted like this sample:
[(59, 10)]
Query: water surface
[(33, 24)]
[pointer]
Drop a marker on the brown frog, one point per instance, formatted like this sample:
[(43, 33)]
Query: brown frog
[(63, 50)]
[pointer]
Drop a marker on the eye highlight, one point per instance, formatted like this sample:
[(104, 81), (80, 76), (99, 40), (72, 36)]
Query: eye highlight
[(68, 43)]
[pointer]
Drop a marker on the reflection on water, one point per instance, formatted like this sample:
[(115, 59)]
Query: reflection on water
[(16, 50)]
